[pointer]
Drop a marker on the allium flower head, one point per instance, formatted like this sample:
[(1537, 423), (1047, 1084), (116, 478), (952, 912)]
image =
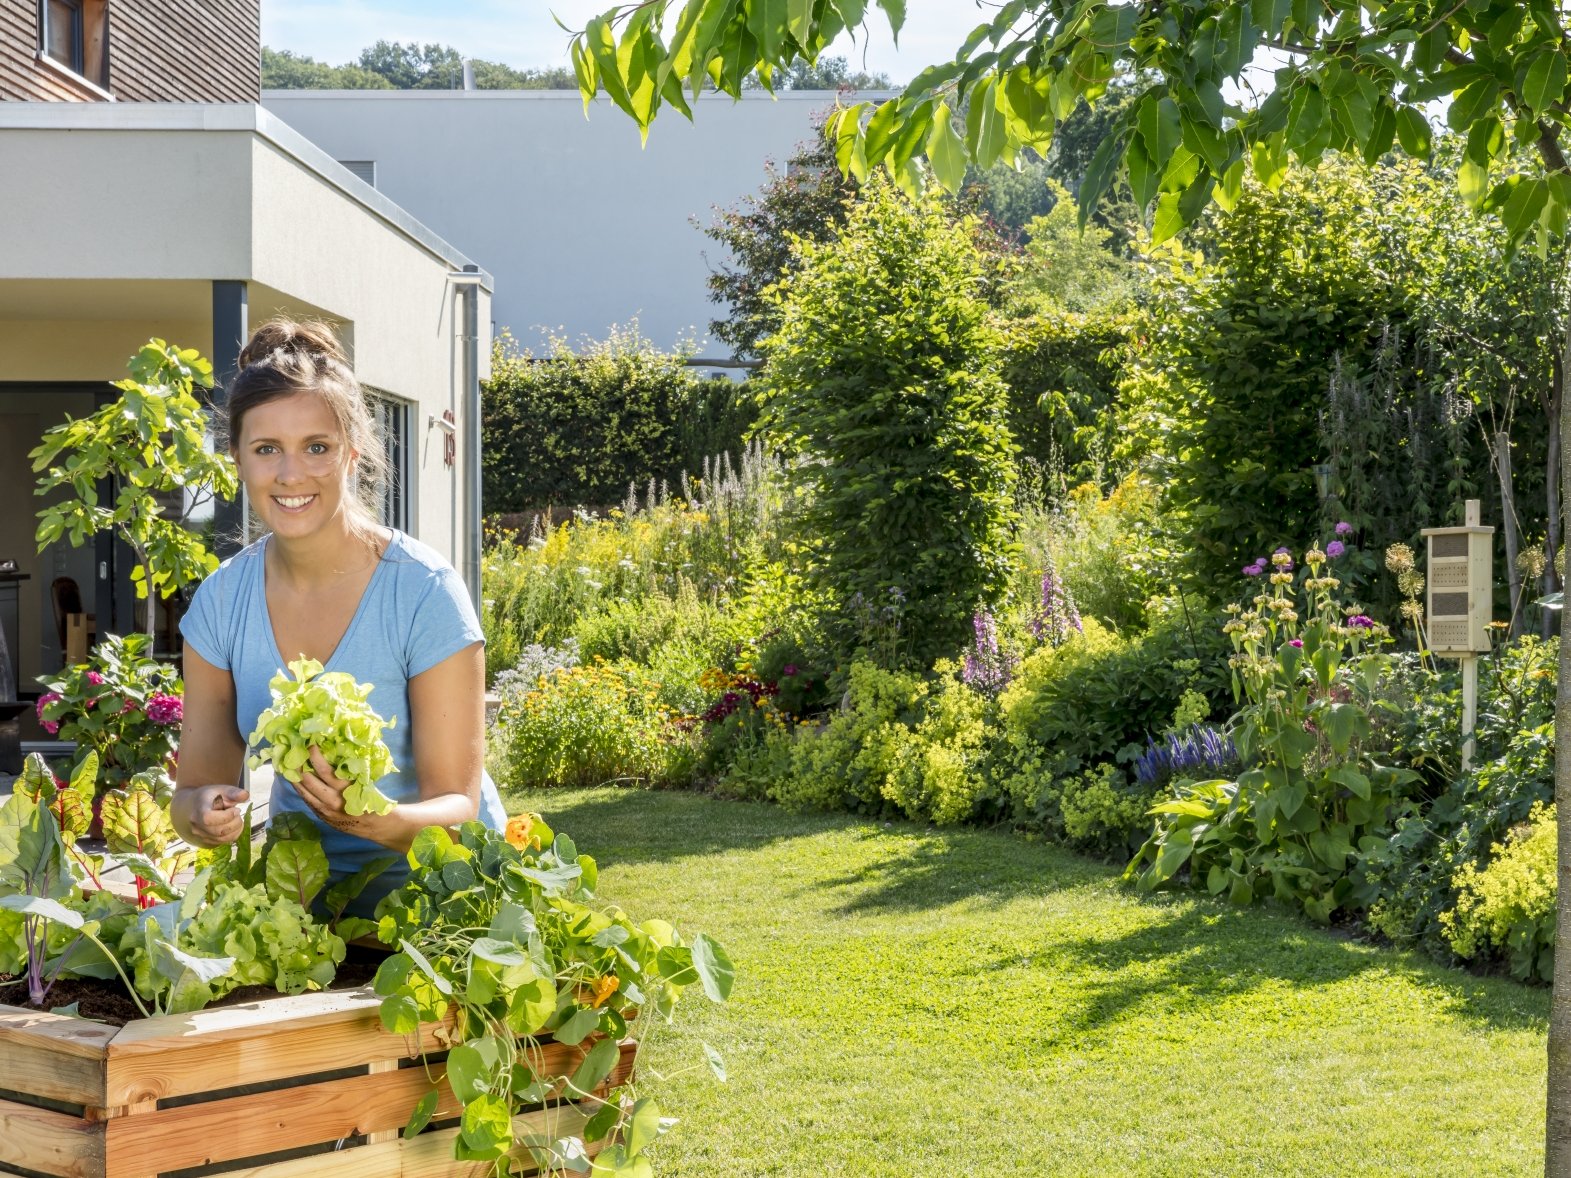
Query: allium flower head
[(1399, 558), (1335, 549), (1343, 528)]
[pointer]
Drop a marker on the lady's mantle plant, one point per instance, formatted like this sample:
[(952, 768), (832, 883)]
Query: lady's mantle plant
[(1293, 824), (500, 935)]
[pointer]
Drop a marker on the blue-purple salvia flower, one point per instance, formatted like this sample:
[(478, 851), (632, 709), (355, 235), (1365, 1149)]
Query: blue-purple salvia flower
[(1199, 753)]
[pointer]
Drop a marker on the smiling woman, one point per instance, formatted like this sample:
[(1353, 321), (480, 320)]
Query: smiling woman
[(327, 582)]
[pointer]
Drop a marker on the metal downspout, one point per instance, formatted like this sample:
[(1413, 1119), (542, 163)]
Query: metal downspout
[(472, 505)]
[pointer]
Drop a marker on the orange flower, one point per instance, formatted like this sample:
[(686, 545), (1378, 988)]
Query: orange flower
[(518, 831), (605, 987)]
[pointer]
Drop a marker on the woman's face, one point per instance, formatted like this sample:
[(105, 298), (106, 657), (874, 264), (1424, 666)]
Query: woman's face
[(295, 463)]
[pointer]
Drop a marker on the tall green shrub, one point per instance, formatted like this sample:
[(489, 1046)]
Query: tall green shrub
[(577, 427), (882, 383)]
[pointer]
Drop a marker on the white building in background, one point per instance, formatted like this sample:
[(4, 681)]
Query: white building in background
[(581, 228)]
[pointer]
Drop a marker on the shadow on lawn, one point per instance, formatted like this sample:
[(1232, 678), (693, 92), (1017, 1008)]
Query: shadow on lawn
[(1210, 953)]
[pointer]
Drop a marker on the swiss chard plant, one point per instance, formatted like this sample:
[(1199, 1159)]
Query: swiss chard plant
[(500, 936), (1313, 799)]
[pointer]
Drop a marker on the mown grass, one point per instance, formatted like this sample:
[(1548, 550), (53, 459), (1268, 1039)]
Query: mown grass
[(915, 1003)]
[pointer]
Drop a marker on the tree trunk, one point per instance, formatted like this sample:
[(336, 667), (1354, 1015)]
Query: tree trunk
[(1502, 455), (1557, 1120), (1553, 530)]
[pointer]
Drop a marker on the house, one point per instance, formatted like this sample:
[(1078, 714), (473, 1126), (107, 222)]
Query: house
[(146, 192), (583, 229)]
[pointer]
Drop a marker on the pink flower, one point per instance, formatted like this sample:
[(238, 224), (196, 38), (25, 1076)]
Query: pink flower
[(1298, 642), (95, 678), (49, 726), (44, 701), (165, 709)]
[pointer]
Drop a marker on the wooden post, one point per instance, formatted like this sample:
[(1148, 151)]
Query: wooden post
[(1471, 517)]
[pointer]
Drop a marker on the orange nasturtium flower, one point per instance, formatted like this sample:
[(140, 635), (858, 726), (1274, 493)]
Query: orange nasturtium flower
[(518, 832), (605, 987)]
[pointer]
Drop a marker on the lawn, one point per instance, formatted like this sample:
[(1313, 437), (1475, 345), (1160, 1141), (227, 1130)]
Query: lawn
[(917, 1003)]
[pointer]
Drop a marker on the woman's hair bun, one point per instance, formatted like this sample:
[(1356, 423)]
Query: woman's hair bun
[(313, 339)]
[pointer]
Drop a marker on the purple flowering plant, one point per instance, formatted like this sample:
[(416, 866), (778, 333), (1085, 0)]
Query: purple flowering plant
[(1306, 671), (122, 705)]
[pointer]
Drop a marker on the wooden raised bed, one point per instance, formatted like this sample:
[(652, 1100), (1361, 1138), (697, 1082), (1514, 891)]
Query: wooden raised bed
[(288, 1087)]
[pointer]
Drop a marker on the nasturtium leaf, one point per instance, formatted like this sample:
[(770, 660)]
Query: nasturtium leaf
[(467, 1073), (421, 1117), (443, 985), (500, 952), (714, 967), (716, 1064), (400, 1014), (643, 1126), (595, 1067), (582, 1021), (530, 1005), (486, 1129)]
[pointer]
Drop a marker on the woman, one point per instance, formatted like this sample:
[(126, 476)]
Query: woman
[(328, 582)]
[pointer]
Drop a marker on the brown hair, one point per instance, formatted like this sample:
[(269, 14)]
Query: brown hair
[(284, 357)]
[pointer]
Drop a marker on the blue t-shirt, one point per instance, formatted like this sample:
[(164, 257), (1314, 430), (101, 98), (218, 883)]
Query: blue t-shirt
[(414, 613)]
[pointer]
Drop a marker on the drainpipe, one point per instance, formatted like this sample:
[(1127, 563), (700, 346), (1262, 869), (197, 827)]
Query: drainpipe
[(468, 283)]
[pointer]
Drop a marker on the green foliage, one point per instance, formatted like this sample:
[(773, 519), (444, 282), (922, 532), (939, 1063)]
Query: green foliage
[(1111, 551), (329, 710), (938, 770), (1101, 806), (151, 443), (1094, 700), (580, 426), (502, 934), (120, 705), (807, 201), (1063, 372), (1312, 796), (882, 386), (390, 65), (1067, 270), (585, 725), (1412, 872), (691, 545), (1509, 905)]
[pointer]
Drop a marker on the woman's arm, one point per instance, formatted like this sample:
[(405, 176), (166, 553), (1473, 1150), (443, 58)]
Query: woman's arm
[(447, 727), (206, 808)]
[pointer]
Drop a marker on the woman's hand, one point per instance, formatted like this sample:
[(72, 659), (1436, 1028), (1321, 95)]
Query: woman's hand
[(323, 791), (209, 815)]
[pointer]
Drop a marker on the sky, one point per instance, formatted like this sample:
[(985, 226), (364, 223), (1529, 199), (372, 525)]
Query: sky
[(521, 33)]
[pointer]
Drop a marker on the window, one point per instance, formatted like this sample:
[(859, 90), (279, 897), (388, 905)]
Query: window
[(392, 418), (75, 34)]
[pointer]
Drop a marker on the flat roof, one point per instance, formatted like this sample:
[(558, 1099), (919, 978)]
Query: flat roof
[(234, 116)]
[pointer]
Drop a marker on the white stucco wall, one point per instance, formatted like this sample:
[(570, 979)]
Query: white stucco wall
[(580, 227)]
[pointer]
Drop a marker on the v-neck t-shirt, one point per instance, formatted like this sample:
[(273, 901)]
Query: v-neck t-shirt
[(413, 614)]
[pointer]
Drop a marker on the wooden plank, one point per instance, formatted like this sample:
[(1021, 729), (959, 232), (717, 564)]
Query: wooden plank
[(179, 1055), (53, 1055), (286, 1118), (429, 1155), (49, 1142)]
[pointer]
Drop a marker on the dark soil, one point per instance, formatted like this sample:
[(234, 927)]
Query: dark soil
[(108, 1002)]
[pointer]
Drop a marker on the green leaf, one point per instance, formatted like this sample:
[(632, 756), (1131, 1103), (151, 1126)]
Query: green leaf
[(1545, 80), (714, 967), (443, 986), (44, 907), (946, 151), (421, 1117), (1413, 131), (643, 1126), (595, 1067), (896, 11), (986, 134), (1473, 103), (583, 1020), (716, 1064), (400, 1014), (296, 870), (486, 1130), (467, 1073)]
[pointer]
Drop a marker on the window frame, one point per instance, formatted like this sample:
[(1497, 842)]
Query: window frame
[(89, 40), (394, 417)]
